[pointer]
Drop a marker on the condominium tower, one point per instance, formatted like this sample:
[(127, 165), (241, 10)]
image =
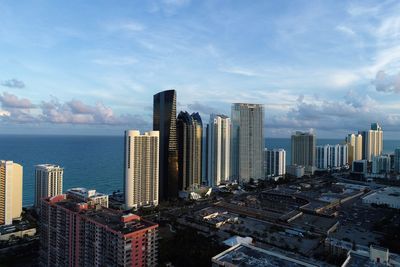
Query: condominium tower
[(218, 149), (74, 233), (331, 156), (372, 142), (275, 162), (10, 191), (48, 181), (164, 121), (141, 183), (355, 147), (190, 140), (303, 150), (397, 160), (247, 142)]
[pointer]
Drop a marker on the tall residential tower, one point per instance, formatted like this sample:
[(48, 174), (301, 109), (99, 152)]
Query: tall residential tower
[(164, 121), (10, 191), (372, 142), (218, 149), (190, 139), (303, 150), (141, 169), (247, 141), (75, 233), (48, 181), (354, 143)]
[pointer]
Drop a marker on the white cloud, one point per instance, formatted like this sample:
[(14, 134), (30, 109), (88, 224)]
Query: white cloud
[(345, 30), (125, 25), (115, 61), (343, 79), (239, 71)]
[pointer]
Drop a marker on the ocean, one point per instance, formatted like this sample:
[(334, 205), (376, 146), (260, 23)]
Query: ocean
[(94, 162)]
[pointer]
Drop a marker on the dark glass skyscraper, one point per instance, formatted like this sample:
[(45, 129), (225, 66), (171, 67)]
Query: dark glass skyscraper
[(164, 120), (190, 135)]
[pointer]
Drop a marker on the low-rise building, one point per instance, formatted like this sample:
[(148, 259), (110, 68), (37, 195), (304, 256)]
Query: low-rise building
[(374, 256), (246, 255), (389, 196)]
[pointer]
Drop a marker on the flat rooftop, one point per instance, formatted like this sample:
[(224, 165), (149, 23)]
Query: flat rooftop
[(244, 255), (385, 195)]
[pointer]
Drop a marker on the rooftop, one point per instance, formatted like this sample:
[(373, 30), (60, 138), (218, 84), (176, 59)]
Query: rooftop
[(387, 195), (47, 166), (244, 255), (84, 192), (113, 219)]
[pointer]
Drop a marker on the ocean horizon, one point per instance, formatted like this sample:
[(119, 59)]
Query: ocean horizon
[(94, 162)]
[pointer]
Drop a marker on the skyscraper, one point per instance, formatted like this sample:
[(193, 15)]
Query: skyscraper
[(218, 149), (397, 160), (190, 137), (275, 162), (141, 169), (10, 191), (48, 181), (372, 142), (355, 147), (303, 150), (164, 121), (247, 141), (74, 233)]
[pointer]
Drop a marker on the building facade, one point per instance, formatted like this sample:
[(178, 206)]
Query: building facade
[(331, 156), (354, 143), (190, 142), (381, 164), (372, 142), (141, 184), (218, 149), (72, 233), (164, 121), (48, 181), (10, 191), (275, 162), (303, 150), (360, 166), (247, 142), (397, 160)]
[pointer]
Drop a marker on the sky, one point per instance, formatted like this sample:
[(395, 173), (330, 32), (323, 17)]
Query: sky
[(92, 67)]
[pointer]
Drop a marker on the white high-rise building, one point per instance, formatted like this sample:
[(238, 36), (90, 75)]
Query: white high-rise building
[(303, 150), (355, 143), (397, 160), (48, 182), (381, 164), (372, 142), (218, 149), (331, 156), (141, 168), (247, 142), (275, 162), (10, 191)]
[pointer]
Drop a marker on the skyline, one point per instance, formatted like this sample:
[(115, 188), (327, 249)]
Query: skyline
[(330, 66)]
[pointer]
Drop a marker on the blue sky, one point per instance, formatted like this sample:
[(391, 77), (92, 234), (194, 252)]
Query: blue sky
[(92, 67)]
